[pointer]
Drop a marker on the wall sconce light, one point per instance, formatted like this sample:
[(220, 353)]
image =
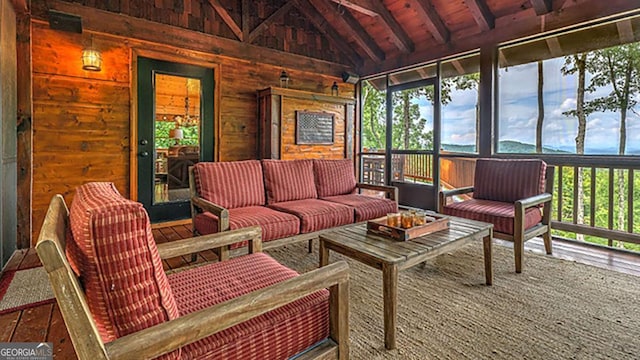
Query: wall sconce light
[(334, 89), (284, 79), (91, 58)]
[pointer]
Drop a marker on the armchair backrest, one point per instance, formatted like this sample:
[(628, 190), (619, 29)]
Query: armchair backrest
[(509, 180), (113, 271)]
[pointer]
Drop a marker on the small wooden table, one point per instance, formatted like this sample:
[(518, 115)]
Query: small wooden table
[(392, 256)]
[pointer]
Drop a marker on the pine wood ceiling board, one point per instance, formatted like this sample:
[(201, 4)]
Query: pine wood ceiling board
[(502, 8), (410, 20), (377, 9), (345, 23), (481, 13), (434, 22), (374, 27), (455, 14), (512, 27)]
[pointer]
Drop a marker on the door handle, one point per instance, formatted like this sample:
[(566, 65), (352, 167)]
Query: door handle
[(144, 154)]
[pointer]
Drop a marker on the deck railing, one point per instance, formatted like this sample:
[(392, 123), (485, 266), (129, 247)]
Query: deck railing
[(604, 187)]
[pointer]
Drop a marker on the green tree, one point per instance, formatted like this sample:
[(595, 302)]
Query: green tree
[(373, 117), (619, 68)]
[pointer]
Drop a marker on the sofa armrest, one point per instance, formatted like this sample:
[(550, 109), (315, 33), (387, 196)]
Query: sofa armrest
[(390, 191), (168, 336), (217, 240), (217, 210)]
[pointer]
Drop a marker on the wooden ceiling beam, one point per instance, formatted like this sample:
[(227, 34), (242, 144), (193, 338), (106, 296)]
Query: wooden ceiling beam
[(245, 19), (542, 7), (432, 20), (224, 15), (482, 14), (186, 42), (367, 7), (326, 29), (269, 21), (459, 68), (554, 46), (625, 31), (508, 28), (398, 36), (357, 33)]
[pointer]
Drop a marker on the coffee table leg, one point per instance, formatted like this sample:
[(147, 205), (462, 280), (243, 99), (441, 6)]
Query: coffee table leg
[(324, 253), (390, 300), (488, 263)]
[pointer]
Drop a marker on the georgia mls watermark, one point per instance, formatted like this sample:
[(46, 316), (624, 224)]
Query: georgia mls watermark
[(26, 351)]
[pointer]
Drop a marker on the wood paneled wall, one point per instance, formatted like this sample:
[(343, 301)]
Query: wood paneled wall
[(82, 120)]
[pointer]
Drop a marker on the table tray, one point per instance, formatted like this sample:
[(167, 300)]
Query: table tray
[(379, 227)]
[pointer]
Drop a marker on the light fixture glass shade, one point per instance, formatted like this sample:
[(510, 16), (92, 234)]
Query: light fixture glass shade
[(284, 79), (334, 89), (91, 60), (176, 133)]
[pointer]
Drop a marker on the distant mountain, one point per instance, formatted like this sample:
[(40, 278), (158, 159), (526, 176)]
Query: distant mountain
[(507, 146)]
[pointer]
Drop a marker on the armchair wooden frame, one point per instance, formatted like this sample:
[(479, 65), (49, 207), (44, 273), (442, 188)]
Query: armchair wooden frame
[(198, 205), (520, 235), (168, 336)]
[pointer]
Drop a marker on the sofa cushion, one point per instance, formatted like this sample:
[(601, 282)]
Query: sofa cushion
[(500, 214), (277, 334), (334, 177), (230, 184), (274, 224), (365, 207), (288, 180), (114, 251), (508, 180), (316, 214)]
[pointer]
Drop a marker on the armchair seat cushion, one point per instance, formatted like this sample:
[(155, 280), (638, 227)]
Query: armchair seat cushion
[(316, 214), (276, 334), (274, 224), (365, 207), (500, 214)]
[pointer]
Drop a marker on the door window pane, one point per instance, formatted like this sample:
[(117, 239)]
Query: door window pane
[(177, 135), (413, 118)]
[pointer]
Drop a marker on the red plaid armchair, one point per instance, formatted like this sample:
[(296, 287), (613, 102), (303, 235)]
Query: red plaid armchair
[(514, 195), (117, 302)]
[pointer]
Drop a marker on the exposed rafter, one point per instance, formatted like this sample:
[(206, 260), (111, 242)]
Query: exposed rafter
[(245, 19), (554, 46), (459, 68), (542, 6), (377, 9), (224, 15), (352, 26), (268, 21), (326, 29), (625, 31), (481, 13), (432, 20)]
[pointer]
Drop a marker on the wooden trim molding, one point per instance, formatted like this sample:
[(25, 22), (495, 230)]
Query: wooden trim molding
[(307, 95)]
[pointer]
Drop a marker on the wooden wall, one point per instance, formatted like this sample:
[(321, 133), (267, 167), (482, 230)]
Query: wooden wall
[(82, 120)]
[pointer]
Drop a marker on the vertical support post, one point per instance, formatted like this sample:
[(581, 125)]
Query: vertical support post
[(24, 131), (389, 137), (487, 99)]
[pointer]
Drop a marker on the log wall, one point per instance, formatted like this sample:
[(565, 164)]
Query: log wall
[(82, 120)]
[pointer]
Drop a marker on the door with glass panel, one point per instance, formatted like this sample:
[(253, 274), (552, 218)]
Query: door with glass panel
[(175, 131), (412, 142)]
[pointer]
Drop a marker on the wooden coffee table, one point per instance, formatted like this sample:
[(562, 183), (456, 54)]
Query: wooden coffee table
[(392, 256)]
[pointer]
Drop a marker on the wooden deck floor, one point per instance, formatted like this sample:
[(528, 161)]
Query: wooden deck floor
[(44, 323)]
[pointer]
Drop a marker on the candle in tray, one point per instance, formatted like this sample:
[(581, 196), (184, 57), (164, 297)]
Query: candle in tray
[(393, 219), (407, 219)]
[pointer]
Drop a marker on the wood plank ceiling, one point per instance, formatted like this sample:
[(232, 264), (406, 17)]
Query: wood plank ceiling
[(370, 36)]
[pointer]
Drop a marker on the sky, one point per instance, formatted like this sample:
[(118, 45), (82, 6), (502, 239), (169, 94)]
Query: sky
[(518, 112)]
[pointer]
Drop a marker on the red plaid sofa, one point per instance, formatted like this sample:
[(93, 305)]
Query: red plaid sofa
[(288, 199), (510, 194), (114, 258)]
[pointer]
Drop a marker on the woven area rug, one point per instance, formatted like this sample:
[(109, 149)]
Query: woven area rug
[(23, 289), (555, 309)]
